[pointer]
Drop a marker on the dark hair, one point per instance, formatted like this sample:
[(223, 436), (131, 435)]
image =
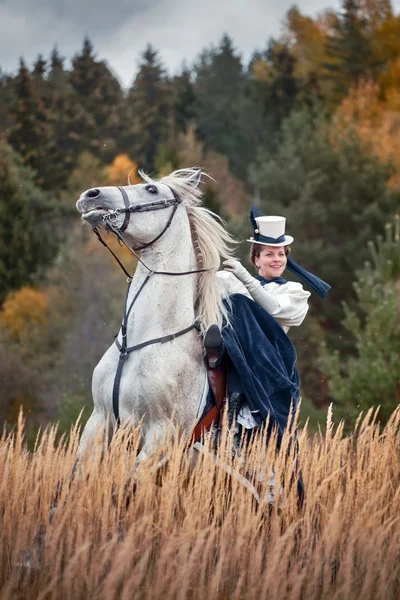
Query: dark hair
[(256, 249)]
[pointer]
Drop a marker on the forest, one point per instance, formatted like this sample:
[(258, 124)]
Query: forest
[(309, 128)]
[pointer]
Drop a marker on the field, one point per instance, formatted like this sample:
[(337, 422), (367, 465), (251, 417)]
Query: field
[(196, 532)]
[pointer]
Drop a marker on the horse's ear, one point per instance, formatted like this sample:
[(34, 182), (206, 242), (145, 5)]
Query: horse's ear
[(195, 178)]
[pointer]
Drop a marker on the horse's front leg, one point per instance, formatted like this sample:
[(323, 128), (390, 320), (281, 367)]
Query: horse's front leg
[(98, 429)]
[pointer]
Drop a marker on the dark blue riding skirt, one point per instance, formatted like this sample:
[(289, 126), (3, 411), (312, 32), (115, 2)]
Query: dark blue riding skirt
[(264, 358)]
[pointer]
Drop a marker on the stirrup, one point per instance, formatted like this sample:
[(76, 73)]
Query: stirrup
[(214, 346)]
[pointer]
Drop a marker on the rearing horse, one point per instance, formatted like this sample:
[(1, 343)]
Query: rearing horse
[(154, 371)]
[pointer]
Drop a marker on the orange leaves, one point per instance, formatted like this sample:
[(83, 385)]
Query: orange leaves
[(121, 169), (24, 309), (375, 123), (307, 39)]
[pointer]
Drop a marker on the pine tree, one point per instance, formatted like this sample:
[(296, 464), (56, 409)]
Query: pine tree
[(281, 89), (30, 132), (335, 197), (226, 111), (39, 68), (184, 99), (99, 93), (7, 98), (149, 109), (26, 237), (371, 376), (68, 120), (350, 47)]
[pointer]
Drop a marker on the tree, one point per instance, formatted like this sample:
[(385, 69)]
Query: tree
[(100, 95), (275, 88), (24, 309), (306, 39), (149, 109), (372, 375), (184, 100), (120, 170), (27, 240), (350, 47), (30, 133), (69, 122), (377, 125), (334, 193), (226, 110)]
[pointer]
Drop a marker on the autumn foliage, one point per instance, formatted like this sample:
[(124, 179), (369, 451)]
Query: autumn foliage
[(24, 309), (121, 169)]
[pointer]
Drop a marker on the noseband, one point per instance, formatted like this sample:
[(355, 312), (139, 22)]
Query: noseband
[(111, 217)]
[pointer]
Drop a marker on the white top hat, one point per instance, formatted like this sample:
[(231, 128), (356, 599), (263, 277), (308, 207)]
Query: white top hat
[(271, 232)]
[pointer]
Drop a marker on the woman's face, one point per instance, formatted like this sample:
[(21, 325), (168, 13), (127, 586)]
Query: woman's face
[(271, 262)]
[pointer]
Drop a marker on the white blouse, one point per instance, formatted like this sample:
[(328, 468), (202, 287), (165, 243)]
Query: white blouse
[(290, 300)]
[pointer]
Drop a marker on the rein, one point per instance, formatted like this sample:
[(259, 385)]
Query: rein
[(110, 219)]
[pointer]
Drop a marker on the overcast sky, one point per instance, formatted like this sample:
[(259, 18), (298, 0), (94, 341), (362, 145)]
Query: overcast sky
[(121, 29)]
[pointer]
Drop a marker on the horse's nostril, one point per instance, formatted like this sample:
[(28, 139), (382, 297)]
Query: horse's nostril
[(93, 193)]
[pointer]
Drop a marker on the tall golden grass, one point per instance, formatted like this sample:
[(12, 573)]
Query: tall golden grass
[(196, 532)]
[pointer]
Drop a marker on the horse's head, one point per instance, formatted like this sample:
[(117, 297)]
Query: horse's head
[(133, 210)]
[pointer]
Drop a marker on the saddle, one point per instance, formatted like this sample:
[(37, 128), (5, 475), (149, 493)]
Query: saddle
[(218, 379)]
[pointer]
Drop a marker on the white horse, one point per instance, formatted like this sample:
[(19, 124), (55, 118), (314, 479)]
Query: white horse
[(174, 287)]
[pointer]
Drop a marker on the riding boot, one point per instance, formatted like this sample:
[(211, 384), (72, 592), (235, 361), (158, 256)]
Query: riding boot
[(235, 400), (214, 346)]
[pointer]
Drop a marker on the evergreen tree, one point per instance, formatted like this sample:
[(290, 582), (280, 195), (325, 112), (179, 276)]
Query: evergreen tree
[(149, 109), (99, 94), (350, 47), (371, 376), (277, 86), (335, 197), (69, 122), (184, 99), (226, 110), (26, 236), (7, 98), (30, 132)]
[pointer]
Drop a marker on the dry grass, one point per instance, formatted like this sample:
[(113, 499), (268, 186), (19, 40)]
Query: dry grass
[(200, 534)]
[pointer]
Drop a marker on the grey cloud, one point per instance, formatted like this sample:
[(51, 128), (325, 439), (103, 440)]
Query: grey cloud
[(102, 14)]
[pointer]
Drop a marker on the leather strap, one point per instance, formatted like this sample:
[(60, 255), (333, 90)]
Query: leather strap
[(127, 211), (219, 385)]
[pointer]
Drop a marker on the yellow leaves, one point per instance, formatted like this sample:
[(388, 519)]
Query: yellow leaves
[(262, 71), (121, 169), (375, 122), (24, 309), (307, 39)]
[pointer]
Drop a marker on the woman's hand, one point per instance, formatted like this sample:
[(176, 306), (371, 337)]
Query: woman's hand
[(234, 266), (254, 287)]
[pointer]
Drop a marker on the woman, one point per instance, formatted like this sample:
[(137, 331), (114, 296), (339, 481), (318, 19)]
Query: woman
[(262, 378)]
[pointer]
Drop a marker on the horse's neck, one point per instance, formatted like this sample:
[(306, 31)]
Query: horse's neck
[(166, 301)]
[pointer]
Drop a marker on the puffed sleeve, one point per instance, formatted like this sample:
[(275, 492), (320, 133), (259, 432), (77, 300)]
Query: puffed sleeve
[(293, 303)]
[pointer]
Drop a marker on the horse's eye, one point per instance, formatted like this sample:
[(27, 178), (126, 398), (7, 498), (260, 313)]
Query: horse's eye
[(152, 189)]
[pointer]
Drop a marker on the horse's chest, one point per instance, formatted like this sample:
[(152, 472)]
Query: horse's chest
[(153, 379)]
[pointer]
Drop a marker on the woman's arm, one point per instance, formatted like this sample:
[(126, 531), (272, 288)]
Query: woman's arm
[(287, 303)]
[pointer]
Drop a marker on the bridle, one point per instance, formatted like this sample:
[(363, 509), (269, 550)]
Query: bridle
[(110, 220)]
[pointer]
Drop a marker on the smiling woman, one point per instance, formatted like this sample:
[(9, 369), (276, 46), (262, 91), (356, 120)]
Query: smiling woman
[(270, 261), (263, 383)]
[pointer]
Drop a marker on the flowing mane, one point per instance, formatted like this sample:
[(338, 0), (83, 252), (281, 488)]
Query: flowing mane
[(211, 242)]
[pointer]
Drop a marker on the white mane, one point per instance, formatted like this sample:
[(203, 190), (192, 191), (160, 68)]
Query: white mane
[(211, 242)]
